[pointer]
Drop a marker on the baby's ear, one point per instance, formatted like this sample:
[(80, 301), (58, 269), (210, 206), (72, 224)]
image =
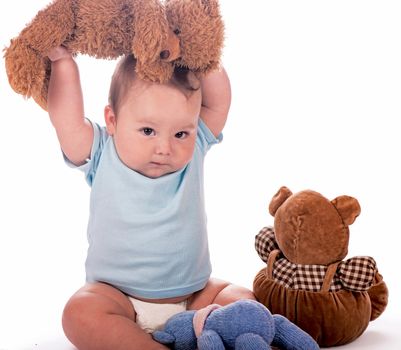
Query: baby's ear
[(348, 208), (278, 199), (163, 337)]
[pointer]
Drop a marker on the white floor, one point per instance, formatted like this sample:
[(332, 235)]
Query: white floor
[(384, 333), (38, 327)]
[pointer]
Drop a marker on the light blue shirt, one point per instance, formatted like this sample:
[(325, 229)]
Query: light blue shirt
[(147, 237)]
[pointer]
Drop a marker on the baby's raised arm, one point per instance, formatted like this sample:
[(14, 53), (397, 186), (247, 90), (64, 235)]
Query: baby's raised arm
[(66, 107), (216, 100)]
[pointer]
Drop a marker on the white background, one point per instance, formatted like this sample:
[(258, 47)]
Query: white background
[(316, 104)]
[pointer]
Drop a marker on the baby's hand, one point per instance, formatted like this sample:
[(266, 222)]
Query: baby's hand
[(58, 53)]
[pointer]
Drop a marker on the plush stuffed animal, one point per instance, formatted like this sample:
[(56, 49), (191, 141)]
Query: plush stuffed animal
[(242, 325), (186, 33), (306, 279)]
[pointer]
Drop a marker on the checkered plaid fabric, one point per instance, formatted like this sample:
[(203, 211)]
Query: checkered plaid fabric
[(265, 242), (355, 274)]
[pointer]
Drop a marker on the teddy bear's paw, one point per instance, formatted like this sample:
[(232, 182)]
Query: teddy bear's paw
[(251, 341), (210, 340), (26, 69), (289, 336), (378, 294)]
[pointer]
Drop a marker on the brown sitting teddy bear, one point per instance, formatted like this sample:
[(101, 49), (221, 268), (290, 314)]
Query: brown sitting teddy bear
[(160, 36), (306, 278)]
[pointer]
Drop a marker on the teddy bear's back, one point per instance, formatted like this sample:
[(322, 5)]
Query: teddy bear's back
[(102, 29), (304, 264)]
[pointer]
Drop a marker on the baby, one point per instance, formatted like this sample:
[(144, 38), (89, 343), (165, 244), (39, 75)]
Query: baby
[(148, 255)]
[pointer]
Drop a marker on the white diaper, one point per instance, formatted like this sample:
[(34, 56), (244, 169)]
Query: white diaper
[(152, 316)]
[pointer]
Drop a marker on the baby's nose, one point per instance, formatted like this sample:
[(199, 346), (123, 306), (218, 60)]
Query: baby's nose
[(163, 147)]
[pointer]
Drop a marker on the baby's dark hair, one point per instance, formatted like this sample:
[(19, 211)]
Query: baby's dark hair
[(124, 76)]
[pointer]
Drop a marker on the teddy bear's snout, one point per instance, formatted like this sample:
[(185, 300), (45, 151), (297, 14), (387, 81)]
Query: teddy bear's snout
[(171, 51)]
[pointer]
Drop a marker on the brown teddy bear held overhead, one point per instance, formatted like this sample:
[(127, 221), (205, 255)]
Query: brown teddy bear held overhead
[(186, 33), (306, 279)]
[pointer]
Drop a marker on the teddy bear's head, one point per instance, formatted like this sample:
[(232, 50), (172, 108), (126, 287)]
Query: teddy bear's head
[(200, 28), (309, 228)]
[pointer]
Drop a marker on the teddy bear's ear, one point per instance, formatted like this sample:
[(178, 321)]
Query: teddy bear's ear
[(348, 208), (278, 199)]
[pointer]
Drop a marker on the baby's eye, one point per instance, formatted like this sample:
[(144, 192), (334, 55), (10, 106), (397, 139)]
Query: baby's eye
[(147, 131), (181, 135), (177, 31)]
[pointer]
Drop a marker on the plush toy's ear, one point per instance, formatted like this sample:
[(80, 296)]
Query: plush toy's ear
[(163, 337), (278, 199), (348, 208)]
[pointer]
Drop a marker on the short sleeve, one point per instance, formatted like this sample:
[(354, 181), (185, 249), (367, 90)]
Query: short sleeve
[(357, 273), (205, 138), (100, 137)]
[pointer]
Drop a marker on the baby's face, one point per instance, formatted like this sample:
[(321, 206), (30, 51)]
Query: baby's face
[(155, 130)]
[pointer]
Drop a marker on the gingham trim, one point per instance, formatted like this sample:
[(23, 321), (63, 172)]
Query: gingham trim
[(265, 242), (355, 274)]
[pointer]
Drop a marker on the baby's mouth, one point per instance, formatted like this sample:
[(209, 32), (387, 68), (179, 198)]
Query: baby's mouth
[(157, 164)]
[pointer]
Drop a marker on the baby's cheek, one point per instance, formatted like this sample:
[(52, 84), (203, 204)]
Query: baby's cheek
[(185, 155), (190, 150)]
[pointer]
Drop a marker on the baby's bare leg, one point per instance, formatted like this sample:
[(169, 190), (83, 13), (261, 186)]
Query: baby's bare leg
[(100, 317), (218, 292)]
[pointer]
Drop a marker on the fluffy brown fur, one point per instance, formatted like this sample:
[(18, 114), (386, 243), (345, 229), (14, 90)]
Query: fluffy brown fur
[(178, 33), (201, 20), (312, 230)]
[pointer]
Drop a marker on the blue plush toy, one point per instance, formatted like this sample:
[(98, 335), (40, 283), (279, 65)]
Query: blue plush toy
[(242, 325)]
